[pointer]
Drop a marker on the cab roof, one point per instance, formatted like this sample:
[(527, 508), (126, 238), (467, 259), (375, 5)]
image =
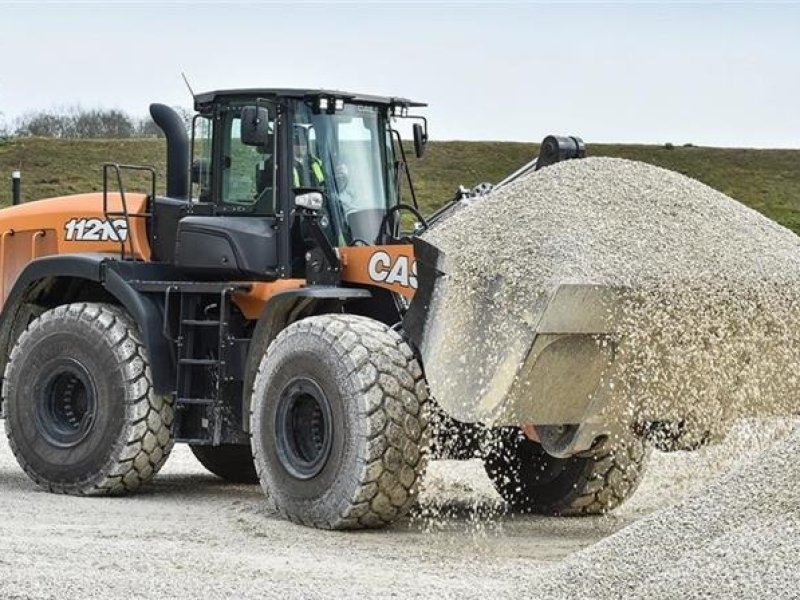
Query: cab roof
[(205, 98)]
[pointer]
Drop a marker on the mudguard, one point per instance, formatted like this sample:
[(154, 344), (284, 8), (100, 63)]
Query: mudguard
[(93, 267), (274, 318)]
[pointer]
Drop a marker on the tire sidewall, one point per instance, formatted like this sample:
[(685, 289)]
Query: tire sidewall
[(313, 358), (45, 343)]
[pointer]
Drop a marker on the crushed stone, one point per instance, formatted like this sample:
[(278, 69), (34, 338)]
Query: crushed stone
[(738, 537), (705, 322), (706, 311)]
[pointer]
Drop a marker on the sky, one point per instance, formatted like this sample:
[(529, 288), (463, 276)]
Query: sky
[(716, 74)]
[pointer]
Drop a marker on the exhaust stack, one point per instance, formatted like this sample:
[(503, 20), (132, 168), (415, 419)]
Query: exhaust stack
[(177, 149)]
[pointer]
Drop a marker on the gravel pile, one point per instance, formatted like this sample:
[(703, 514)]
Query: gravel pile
[(705, 318), (737, 538), (707, 310)]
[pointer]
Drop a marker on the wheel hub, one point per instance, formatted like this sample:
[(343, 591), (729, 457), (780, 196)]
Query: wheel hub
[(303, 432), (66, 404)]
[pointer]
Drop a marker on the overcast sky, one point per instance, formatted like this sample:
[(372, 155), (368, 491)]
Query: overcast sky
[(711, 74)]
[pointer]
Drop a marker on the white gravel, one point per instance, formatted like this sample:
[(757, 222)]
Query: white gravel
[(707, 317), (738, 538), (190, 535), (707, 327)]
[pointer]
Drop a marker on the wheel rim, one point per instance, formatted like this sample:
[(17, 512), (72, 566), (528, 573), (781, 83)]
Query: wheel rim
[(66, 404), (303, 428)]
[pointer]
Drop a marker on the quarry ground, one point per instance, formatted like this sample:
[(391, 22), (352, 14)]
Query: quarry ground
[(189, 534)]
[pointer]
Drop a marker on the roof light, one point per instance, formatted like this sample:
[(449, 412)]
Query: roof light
[(339, 104), (322, 103)]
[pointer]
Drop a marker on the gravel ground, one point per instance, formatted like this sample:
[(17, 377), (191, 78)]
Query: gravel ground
[(190, 535)]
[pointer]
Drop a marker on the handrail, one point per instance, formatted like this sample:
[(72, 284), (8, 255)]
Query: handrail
[(118, 168)]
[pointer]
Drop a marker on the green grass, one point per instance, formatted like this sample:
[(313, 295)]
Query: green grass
[(767, 180)]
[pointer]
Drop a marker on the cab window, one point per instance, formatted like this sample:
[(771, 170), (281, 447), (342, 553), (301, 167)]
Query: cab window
[(248, 172), (201, 160)]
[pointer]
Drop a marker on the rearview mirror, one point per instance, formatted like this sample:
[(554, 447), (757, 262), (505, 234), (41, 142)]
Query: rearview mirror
[(255, 125), (420, 140)]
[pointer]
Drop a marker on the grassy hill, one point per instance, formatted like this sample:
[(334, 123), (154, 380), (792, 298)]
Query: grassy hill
[(767, 180)]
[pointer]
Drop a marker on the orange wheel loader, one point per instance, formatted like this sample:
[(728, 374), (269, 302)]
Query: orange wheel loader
[(257, 311)]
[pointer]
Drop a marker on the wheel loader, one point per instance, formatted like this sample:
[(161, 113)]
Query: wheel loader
[(272, 311)]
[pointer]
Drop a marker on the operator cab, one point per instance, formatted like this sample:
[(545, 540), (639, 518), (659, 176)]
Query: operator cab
[(255, 151)]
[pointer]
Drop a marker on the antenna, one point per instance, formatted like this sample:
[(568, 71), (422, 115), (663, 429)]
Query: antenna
[(186, 81)]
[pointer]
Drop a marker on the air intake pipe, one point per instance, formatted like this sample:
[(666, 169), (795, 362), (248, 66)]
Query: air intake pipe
[(177, 149)]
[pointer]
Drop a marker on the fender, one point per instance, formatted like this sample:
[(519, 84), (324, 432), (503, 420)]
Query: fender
[(93, 267), (273, 319)]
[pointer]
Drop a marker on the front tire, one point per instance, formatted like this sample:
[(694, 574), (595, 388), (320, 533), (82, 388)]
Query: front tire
[(81, 413), (339, 424), (532, 481)]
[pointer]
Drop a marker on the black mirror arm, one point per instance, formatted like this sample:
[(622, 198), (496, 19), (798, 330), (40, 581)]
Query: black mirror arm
[(403, 164)]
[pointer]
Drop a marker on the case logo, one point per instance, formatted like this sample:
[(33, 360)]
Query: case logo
[(381, 269), (96, 230)]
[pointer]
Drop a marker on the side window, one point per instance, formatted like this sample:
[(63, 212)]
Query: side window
[(201, 160), (360, 151), (248, 172)]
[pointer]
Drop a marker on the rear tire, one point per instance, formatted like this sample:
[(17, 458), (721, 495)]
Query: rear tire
[(339, 424), (532, 481), (230, 462), (81, 413)]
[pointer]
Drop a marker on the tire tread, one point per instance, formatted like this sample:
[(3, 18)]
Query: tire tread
[(139, 452), (386, 373)]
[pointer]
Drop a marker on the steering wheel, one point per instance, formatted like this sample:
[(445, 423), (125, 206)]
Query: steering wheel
[(385, 235)]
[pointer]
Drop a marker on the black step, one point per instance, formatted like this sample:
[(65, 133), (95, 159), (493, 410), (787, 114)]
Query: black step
[(200, 322), (198, 361), (195, 401), (196, 441), (193, 287)]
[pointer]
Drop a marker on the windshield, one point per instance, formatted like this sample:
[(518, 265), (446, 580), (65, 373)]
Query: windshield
[(349, 156)]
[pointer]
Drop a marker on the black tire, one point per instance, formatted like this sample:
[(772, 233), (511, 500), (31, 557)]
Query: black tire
[(231, 462), (339, 423), (81, 413), (532, 481)]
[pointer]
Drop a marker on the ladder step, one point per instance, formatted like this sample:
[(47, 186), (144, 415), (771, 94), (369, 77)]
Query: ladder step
[(198, 441), (200, 323), (184, 401), (198, 361)]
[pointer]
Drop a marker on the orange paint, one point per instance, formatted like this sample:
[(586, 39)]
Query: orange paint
[(75, 224), (391, 267), (252, 302), (44, 227)]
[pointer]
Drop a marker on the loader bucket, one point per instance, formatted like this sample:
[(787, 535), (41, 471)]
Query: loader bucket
[(561, 362), (545, 369)]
